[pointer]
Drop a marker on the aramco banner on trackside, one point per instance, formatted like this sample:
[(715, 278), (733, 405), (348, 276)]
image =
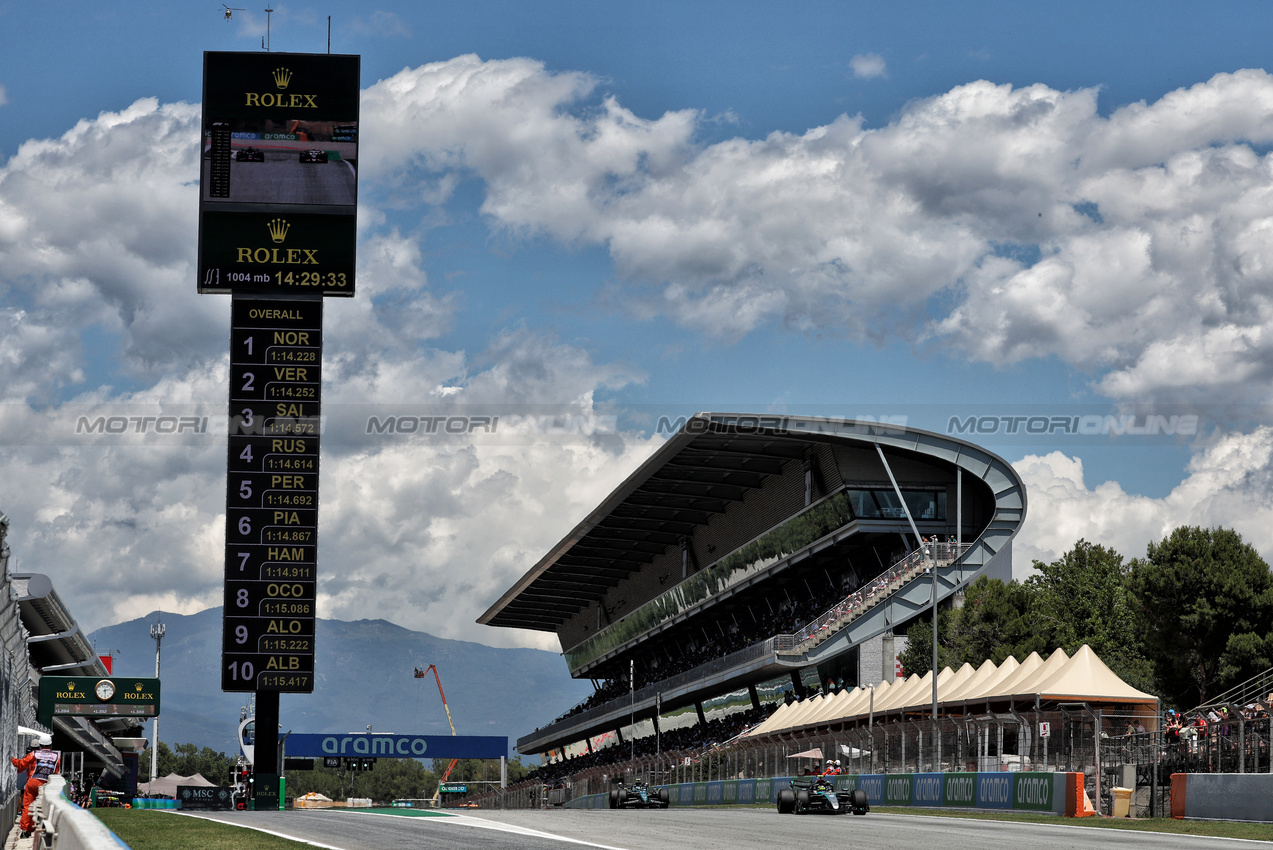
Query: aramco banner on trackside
[(1046, 792), (390, 745)]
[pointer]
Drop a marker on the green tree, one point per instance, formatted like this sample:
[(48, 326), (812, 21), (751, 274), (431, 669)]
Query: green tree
[(1083, 598), (1205, 605), (917, 658), (996, 620), (187, 760)]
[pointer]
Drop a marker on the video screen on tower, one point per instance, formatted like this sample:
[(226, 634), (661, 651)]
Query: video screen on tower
[(278, 173)]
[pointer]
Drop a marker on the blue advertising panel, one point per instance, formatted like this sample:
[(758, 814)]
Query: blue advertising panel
[(376, 745), (994, 790), (872, 784), (928, 789)]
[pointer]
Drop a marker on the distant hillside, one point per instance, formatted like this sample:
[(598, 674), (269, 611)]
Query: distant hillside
[(363, 676)]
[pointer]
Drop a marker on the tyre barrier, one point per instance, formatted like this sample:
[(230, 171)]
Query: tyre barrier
[(1058, 793)]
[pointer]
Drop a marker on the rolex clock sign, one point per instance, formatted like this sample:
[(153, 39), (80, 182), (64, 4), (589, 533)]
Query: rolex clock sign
[(278, 174), (94, 696)]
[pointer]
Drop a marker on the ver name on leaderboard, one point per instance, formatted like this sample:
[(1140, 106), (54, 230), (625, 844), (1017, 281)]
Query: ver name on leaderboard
[(272, 495)]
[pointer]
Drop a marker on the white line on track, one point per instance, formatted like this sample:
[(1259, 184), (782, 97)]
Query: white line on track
[(459, 820), (482, 823), (259, 829)]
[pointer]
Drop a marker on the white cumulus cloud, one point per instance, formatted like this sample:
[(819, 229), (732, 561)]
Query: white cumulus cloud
[(868, 65), (1229, 484), (1000, 223)]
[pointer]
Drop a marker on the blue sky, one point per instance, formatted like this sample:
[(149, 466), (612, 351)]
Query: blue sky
[(646, 209)]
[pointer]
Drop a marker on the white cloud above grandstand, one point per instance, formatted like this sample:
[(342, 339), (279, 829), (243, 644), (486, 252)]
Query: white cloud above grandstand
[(1228, 483), (989, 225)]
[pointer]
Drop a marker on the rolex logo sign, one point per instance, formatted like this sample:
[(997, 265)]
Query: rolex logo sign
[(282, 77), (278, 229)]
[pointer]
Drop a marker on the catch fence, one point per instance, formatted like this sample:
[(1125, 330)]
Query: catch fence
[(1102, 746)]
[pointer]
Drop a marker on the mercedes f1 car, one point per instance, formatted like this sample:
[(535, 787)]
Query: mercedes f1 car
[(638, 795), (819, 795), (249, 154), (313, 156)]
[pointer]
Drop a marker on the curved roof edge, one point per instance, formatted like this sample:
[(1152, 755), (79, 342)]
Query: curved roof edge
[(997, 473)]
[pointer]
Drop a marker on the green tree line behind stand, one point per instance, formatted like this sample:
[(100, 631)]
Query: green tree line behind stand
[(1191, 619), (398, 779), (187, 760), (388, 780)]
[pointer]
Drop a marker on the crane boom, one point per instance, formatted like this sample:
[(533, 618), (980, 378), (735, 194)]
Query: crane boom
[(420, 674)]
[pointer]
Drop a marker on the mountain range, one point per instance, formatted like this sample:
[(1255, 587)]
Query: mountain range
[(363, 677)]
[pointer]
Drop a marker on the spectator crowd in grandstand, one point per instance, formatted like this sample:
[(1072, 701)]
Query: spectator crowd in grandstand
[(670, 659), (691, 738)]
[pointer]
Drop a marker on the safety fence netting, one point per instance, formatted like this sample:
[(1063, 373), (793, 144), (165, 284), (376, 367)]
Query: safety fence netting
[(1108, 748)]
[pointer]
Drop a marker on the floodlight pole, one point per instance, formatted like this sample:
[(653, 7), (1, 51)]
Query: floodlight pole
[(157, 634), (632, 707), (932, 559)]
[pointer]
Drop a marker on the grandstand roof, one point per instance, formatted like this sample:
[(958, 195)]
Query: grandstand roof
[(714, 461), (696, 475)]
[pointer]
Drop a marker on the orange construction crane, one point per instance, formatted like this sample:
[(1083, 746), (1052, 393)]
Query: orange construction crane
[(420, 674)]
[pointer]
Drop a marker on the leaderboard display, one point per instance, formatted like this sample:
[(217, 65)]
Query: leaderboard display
[(278, 201), (271, 551)]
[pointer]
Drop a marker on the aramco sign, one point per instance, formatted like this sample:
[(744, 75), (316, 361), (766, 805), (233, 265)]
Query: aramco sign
[(390, 745)]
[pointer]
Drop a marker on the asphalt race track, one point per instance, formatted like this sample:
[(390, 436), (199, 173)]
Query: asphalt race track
[(701, 829), (284, 179)]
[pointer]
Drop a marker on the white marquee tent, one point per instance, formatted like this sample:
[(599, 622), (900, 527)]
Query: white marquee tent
[(1061, 678)]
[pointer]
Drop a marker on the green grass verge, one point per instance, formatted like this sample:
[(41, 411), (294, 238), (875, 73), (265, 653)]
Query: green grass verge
[(148, 829), (1215, 829)]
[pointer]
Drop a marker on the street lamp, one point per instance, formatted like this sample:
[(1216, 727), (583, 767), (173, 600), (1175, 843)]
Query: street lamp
[(157, 634)]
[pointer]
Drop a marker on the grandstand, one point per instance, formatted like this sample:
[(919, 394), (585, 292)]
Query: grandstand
[(757, 557)]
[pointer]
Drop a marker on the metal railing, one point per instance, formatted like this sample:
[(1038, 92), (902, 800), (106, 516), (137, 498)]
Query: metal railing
[(827, 624), (990, 741), (1071, 739), (1258, 688), (862, 600)]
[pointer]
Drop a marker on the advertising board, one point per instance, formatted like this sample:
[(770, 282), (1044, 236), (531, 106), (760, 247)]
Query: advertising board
[(271, 551), (278, 173)]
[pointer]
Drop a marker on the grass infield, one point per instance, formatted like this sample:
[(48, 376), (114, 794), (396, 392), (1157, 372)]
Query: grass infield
[(143, 829)]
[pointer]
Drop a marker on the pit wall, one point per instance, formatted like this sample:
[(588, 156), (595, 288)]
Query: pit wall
[(1027, 791), (1222, 796)]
